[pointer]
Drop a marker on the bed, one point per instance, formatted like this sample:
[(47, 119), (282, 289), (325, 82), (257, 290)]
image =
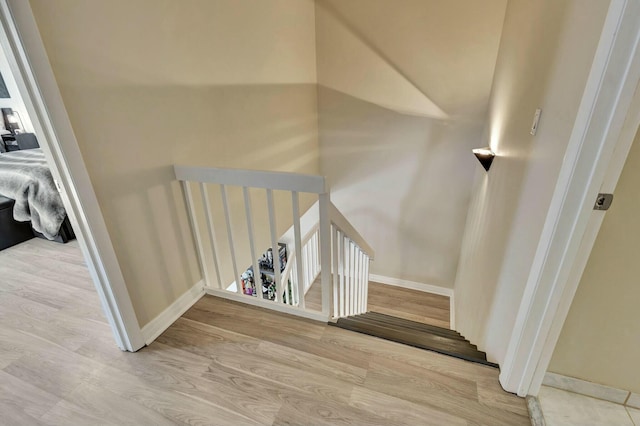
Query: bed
[(25, 177)]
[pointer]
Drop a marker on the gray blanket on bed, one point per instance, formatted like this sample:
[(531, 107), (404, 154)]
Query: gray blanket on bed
[(26, 178)]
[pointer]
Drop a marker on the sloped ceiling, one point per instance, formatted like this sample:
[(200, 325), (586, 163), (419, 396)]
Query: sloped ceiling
[(432, 58)]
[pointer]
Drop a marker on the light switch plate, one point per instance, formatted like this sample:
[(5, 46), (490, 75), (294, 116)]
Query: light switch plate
[(536, 120)]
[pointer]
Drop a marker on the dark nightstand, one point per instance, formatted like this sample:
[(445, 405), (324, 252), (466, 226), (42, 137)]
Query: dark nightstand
[(11, 231), (10, 143)]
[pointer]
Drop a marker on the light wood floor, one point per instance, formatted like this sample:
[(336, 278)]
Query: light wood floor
[(221, 363), (395, 301)]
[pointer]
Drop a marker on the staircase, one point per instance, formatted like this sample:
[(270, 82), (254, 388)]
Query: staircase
[(416, 334), (224, 208)]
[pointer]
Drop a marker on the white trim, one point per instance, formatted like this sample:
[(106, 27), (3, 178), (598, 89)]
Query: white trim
[(279, 307), (583, 387), (159, 324), (614, 75), (30, 65), (413, 285)]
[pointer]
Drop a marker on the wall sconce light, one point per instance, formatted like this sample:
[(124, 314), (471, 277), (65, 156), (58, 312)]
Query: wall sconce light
[(485, 156)]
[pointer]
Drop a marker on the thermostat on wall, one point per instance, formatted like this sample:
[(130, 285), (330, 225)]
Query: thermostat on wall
[(536, 120)]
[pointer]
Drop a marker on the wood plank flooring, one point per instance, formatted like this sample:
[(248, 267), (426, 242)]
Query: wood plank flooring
[(409, 304), (221, 363), (399, 302)]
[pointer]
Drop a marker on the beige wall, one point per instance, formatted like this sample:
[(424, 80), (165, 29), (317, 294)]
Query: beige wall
[(151, 83), (403, 91), (545, 55), (600, 340)]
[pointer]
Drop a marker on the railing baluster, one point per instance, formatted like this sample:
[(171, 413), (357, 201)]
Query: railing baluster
[(341, 270), (325, 253), (305, 265), (316, 253), (298, 245), (356, 272), (312, 258), (356, 277), (352, 273), (362, 260), (252, 246), (334, 270), (347, 278), (319, 248), (196, 232), (227, 217), (274, 245), (212, 234), (295, 286), (366, 283)]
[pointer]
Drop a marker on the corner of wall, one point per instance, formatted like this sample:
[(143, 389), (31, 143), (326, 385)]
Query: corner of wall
[(160, 323)]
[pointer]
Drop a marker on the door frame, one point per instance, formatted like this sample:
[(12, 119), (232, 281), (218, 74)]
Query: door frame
[(20, 39), (598, 146)]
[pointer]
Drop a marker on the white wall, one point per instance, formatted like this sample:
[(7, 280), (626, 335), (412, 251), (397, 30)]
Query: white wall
[(403, 91), (545, 55), (600, 339), (152, 83)]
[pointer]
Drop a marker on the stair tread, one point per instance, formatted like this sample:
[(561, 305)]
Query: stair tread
[(423, 340), (403, 328), (413, 336), (376, 316)]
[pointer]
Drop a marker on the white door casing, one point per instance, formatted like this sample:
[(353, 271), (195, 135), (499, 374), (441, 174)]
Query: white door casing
[(560, 257), (21, 42)]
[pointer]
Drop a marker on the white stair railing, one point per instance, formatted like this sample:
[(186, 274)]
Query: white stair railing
[(351, 256), (320, 239)]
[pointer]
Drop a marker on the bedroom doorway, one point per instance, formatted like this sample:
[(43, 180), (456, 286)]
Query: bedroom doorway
[(45, 115)]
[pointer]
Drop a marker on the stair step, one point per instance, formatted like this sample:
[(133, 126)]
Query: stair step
[(439, 331), (442, 334), (455, 347), (411, 337)]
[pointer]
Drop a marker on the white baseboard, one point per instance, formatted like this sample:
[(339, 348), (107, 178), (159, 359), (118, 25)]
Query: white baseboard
[(159, 324), (397, 282), (594, 390), (262, 303)]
